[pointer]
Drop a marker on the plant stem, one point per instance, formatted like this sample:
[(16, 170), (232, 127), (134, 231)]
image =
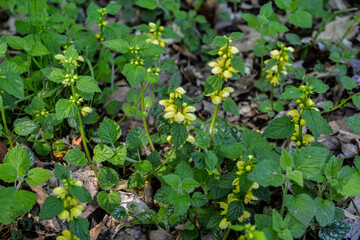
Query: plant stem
[(213, 120), (262, 57), (348, 29), (8, 134), (226, 234), (143, 109), (166, 159), (341, 104), (283, 200)]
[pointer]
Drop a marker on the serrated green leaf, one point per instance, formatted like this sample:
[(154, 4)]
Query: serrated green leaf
[(52, 207), (107, 177), (285, 160), (119, 45), (143, 167), (318, 85), (348, 82), (202, 139), (137, 138), (198, 200), (301, 19), (148, 4), (102, 153), (173, 181), (325, 211), (24, 126), (279, 128), (65, 109), (267, 173), (302, 207), (18, 158), (211, 160), (236, 35), (7, 195), (109, 131), (316, 123), (120, 155), (181, 202), (212, 84), (134, 74), (76, 157), (113, 8), (80, 228), (179, 134), (291, 92), (10, 80), (92, 14), (183, 170), (219, 41), (230, 106), (238, 64), (109, 202), (87, 84), (37, 176), (56, 75), (24, 200), (80, 193), (61, 172), (188, 184), (8, 173), (38, 49), (333, 166), (297, 177), (235, 210)]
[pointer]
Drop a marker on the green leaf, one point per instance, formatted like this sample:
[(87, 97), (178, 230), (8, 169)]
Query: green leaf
[(76, 157), (119, 45), (56, 75), (230, 106), (293, 38), (334, 231), (236, 35), (311, 161), (291, 92), (316, 123), (348, 182), (188, 184), (132, 95), (10, 80), (102, 153), (251, 20), (65, 109), (212, 84), (297, 177), (302, 207), (42, 148), (238, 64), (87, 84), (148, 4), (219, 41), (136, 180), (109, 202), (3, 49), (173, 181), (109, 131), (151, 50), (267, 173), (38, 49), (202, 139), (108, 178), (181, 202), (120, 155), (18, 158), (179, 134), (279, 128), (8, 173), (137, 138), (80, 228), (325, 211), (318, 85), (348, 82), (353, 122), (24, 200), (37, 176), (143, 167), (301, 19), (52, 207), (92, 14), (113, 8), (7, 195), (211, 160), (235, 210), (356, 100), (198, 200), (134, 74), (333, 166), (296, 228), (232, 150), (24, 126), (80, 193), (61, 172), (286, 160), (183, 170), (153, 78)]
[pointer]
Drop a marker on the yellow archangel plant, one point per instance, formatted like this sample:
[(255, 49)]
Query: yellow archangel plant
[(155, 35), (277, 64)]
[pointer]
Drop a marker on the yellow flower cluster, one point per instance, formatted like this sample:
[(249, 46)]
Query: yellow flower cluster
[(281, 57), (224, 222), (222, 65), (251, 233), (63, 59), (66, 236), (304, 102), (243, 166), (218, 96), (181, 115), (71, 207), (155, 35)]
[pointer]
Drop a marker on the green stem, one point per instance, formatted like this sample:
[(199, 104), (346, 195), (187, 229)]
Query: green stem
[(262, 58), (83, 137), (226, 234), (8, 134), (143, 109), (71, 236), (213, 120), (166, 159), (283, 200), (322, 188), (348, 29), (341, 104)]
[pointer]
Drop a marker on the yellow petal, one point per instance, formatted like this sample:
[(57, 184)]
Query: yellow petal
[(59, 190), (224, 224), (216, 100), (227, 74), (169, 115), (179, 117), (190, 116), (191, 139), (216, 70), (59, 57), (213, 64), (189, 109)]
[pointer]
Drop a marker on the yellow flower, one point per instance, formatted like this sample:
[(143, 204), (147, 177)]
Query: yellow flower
[(236, 184), (249, 195), (86, 110), (246, 214), (65, 215), (76, 211), (222, 68), (60, 191), (294, 114), (191, 139), (224, 206), (168, 139), (66, 236), (228, 51), (62, 58), (224, 224), (307, 139), (175, 114), (178, 92), (78, 183), (166, 103), (217, 97)]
